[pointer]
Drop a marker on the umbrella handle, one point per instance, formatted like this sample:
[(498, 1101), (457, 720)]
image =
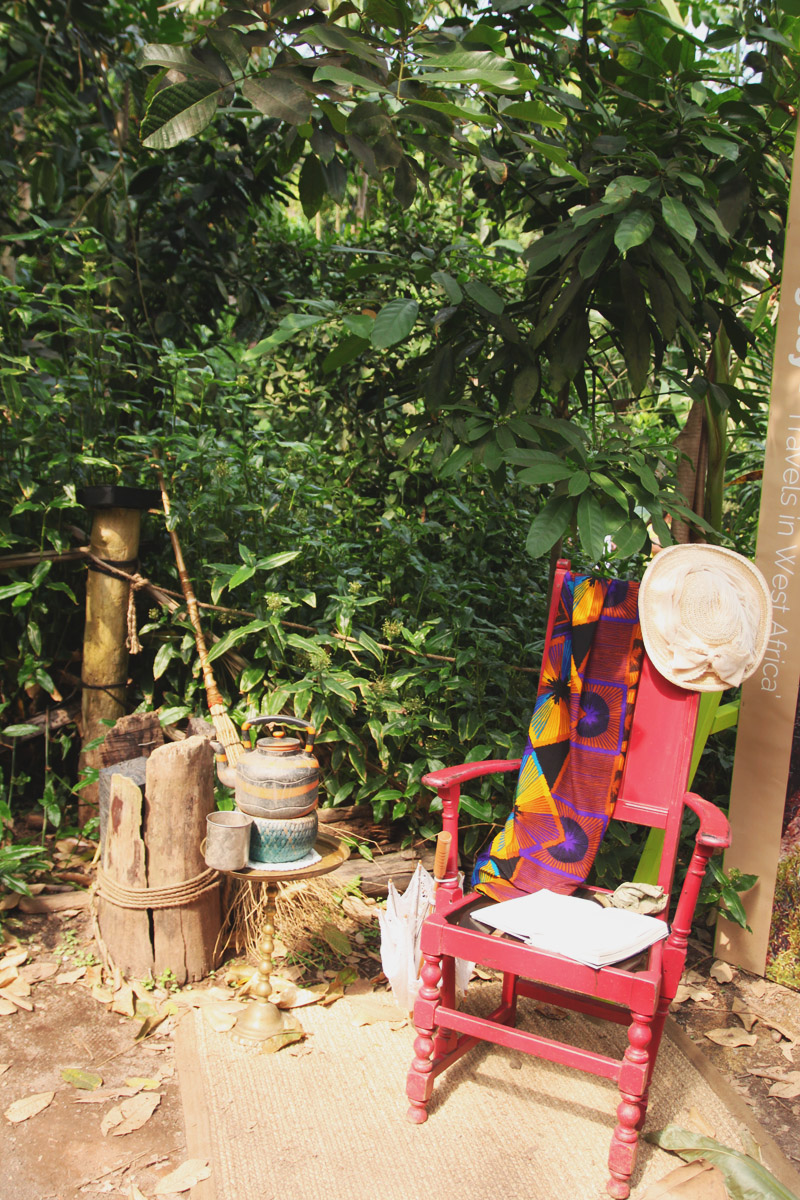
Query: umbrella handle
[(441, 856)]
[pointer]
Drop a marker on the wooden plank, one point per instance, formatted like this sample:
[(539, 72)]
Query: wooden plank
[(131, 737), (196, 1122)]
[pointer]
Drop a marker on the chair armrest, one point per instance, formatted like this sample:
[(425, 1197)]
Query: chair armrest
[(449, 776), (714, 831)]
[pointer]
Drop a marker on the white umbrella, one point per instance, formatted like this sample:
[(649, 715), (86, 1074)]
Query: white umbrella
[(401, 924)]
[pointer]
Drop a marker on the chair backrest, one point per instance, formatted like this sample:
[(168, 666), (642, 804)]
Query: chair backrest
[(659, 751)]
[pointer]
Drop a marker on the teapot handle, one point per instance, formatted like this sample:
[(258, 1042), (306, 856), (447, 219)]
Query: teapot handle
[(250, 722)]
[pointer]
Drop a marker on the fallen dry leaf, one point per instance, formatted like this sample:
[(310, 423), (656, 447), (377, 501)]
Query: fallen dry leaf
[(20, 1001), (86, 1081), (38, 972), (9, 901), (289, 995), (132, 1114), (758, 987), (699, 1123), (14, 958), (183, 1177), (19, 987), (123, 1001), (142, 1084), (731, 1037), (7, 1009), (744, 1014), (690, 1181), (369, 1010), (219, 1020), (721, 971), (787, 1088), (103, 1095), (692, 991), (65, 977), (94, 976), (29, 1106), (136, 1194), (8, 975), (103, 995)]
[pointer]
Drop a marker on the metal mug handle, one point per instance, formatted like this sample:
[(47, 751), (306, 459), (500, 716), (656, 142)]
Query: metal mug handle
[(280, 720)]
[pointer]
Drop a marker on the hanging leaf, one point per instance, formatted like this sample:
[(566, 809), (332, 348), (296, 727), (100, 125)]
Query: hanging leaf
[(633, 230), (178, 113), (393, 323), (549, 525), (311, 185), (484, 296), (181, 58), (278, 96), (678, 217), (591, 526)]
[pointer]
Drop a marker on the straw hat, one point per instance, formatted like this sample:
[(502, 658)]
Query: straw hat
[(706, 616)]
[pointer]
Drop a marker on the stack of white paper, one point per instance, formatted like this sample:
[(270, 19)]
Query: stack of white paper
[(578, 929)]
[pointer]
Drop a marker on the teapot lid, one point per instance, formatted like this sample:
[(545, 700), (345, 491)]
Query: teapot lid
[(278, 743)]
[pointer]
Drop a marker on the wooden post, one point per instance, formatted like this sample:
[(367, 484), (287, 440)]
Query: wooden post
[(155, 843), (115, 538)]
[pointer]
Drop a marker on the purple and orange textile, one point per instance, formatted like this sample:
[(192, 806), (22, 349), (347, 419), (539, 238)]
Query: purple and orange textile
[(573, 761)]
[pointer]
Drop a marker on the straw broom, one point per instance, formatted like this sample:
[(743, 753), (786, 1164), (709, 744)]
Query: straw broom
[(224, 727)]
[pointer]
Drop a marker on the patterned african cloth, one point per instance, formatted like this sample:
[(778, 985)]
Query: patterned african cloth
[(572, 765)]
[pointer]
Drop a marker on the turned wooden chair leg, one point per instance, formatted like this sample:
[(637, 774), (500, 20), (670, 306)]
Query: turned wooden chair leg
[(419, 1083), (633, 1085), (445, 1039)]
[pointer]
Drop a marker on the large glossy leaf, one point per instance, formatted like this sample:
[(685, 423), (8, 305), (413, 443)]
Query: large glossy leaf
[(393, 323), (485, 296), (311, 185), (278, 96), (745, 1179), (678, 217), (591, 526), (178, 58), (534, 111), (549, 525), (634, 229), (178, 113)]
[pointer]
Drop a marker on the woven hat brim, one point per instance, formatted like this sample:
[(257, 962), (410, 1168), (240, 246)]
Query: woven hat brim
[(757, 593)]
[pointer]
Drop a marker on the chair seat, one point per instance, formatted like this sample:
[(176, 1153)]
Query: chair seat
[(635, 984)]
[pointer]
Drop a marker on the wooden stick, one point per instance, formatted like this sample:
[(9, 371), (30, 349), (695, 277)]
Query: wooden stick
[(224, 726)]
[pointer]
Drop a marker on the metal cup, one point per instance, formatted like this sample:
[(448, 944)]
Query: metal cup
[(227, 842)]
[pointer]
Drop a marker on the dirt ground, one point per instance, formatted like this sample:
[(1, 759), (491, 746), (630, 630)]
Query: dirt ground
[(69, 1149)]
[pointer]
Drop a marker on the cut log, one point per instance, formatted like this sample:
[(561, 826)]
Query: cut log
[(398, 866), (154, 842), (180, 795), (126, 931), (134, 736)]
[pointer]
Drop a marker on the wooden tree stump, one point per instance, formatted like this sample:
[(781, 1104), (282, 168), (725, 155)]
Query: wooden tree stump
[(154, 843)]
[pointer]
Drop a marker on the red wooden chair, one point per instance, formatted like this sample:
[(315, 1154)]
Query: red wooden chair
[(653, 793)]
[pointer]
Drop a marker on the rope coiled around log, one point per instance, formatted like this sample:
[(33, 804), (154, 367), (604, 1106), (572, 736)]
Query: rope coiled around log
[(177, 895)]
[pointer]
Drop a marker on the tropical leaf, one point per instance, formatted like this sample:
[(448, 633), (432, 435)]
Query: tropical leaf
[(393, 323), (178, 113), (745, 1179), (549, 525), (278, 96)]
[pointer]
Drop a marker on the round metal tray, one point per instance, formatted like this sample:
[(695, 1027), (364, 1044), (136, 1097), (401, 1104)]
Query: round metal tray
[(332, 851)]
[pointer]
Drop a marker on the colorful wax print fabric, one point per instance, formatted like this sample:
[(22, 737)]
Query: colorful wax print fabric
[(573, 760)]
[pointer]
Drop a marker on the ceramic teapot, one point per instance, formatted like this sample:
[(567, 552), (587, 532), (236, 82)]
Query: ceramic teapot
[(279, 778)]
